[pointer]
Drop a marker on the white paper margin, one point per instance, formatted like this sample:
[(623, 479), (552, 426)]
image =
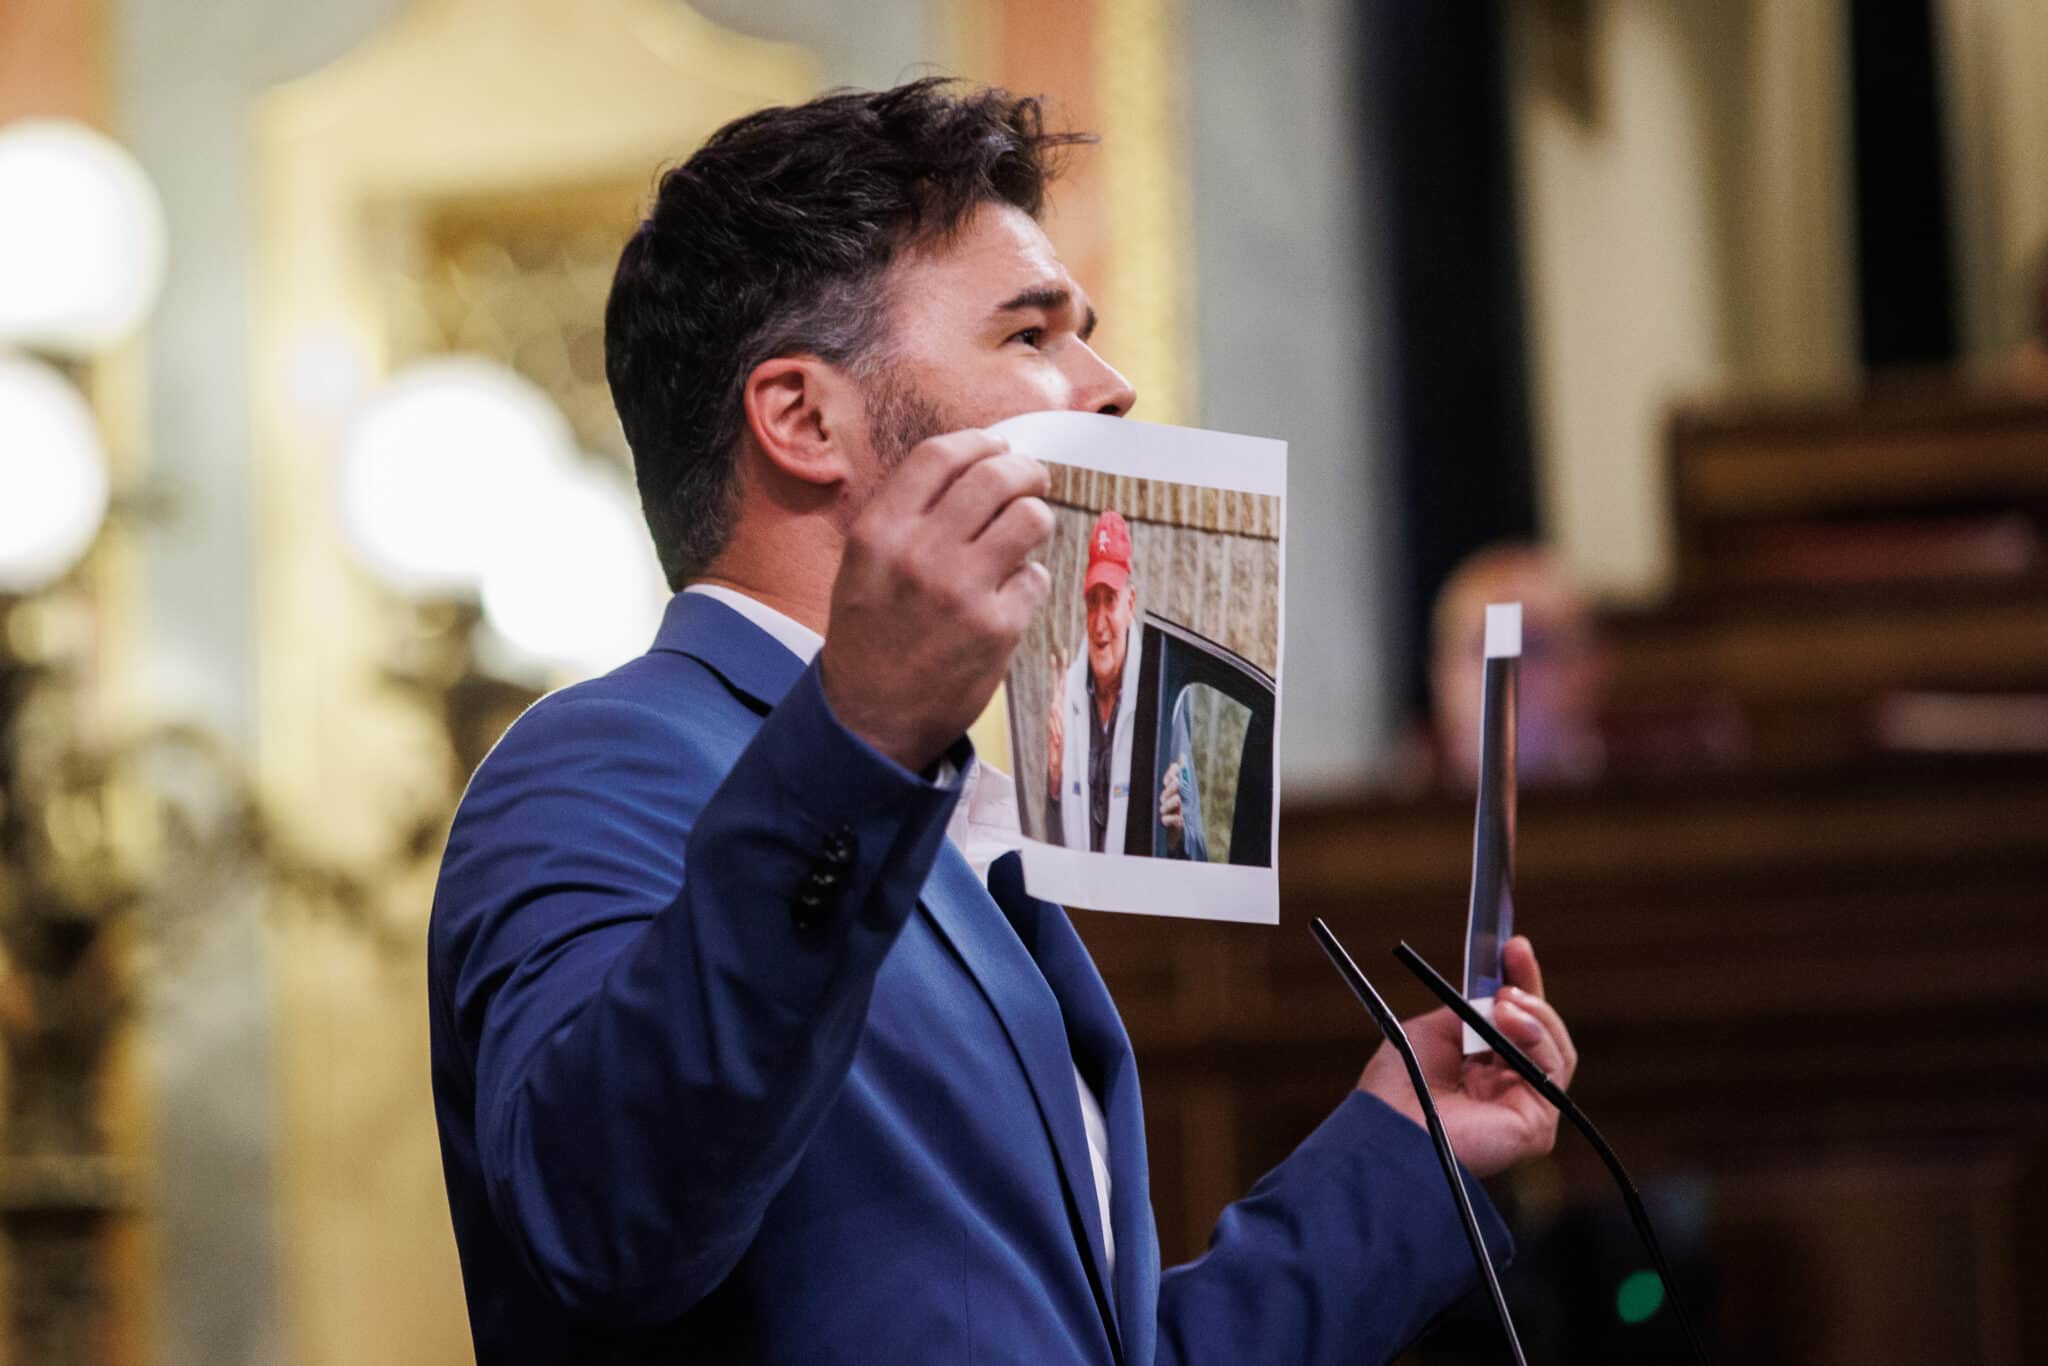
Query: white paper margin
[(1135, 885), (1483, 1007), (1150, 450), (1503, 630)]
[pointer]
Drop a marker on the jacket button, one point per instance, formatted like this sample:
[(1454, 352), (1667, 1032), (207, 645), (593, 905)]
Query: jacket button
[(841, 847), (810, 910), (824, 884)]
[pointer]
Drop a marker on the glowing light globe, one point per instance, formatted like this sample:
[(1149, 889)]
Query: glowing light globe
[(53, 475), (438, 465), (81, 239), (582, 591)]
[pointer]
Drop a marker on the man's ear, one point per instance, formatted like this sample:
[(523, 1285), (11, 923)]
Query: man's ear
[(798, 410)]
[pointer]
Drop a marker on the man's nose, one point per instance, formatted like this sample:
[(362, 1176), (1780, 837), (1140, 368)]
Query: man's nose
[(1099, 387)]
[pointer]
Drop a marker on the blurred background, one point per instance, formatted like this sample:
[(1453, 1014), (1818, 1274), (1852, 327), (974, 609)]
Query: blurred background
[(1715, 331)]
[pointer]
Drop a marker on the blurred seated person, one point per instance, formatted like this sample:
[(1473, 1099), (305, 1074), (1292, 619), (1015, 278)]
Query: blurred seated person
[(2029, 369), (1563, 682), (1571, 725)]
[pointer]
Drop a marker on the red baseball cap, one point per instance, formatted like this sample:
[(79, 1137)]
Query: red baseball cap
[(1109, 552)]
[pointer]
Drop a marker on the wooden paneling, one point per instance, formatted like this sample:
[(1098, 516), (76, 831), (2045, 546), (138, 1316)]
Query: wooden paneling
[(1926, 479), (1840, 560), (1908, 448), (1808, 990)]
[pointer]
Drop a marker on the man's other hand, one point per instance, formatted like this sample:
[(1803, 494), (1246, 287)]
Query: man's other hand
[(1056, 728), (1169, 808), (1493, 1118), (935, 588)]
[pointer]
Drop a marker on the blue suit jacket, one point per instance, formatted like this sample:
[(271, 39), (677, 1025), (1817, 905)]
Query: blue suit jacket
[(735, 1059)]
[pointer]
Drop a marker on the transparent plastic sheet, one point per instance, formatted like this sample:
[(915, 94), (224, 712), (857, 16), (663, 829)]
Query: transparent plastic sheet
[(1490, 919)]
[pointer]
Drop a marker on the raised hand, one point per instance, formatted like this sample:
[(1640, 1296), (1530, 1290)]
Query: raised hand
[(1169, 808), (935, 589), (1056, 726), (1492, 1117)]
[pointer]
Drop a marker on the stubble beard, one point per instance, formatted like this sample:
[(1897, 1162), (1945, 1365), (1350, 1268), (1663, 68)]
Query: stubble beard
[(900, 416)]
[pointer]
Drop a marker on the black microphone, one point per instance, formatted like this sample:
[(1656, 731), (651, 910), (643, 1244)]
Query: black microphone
[(1448, 1160), (1566, 1106)]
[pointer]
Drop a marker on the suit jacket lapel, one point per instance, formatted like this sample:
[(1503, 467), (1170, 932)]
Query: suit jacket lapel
[(1130, 1207), (1104, 1051), (1030, 1013), (754, 664)]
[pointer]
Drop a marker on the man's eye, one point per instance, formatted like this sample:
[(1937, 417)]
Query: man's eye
[(1030, 336)]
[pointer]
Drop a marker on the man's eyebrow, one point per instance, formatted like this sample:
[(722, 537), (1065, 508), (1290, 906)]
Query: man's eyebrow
[(1049, 299)]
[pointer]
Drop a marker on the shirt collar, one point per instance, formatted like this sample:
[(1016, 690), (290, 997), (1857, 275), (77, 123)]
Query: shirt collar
[(798, 638)]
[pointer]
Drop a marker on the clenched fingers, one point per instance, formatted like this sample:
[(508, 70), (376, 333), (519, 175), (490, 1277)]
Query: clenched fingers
[(1021, 527), (984, 489), (1020, 597), (932, 468), (1534, 1023)]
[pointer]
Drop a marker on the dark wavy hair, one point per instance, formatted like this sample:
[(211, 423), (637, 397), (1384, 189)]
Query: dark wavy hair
[(774, 239)]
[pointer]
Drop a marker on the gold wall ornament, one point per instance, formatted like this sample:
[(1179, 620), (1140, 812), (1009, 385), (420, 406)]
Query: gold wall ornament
[(519, 277), (121, 849), (451, 183), (63, 1190)]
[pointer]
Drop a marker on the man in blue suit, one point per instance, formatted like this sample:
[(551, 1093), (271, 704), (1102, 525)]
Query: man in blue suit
[(736, 1056)]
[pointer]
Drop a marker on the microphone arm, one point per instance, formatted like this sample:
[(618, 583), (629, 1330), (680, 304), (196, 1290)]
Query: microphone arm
[(1398, 1037), (1566, 1106)]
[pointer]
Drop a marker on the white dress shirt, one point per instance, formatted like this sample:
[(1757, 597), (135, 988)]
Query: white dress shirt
[(983, 824)]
